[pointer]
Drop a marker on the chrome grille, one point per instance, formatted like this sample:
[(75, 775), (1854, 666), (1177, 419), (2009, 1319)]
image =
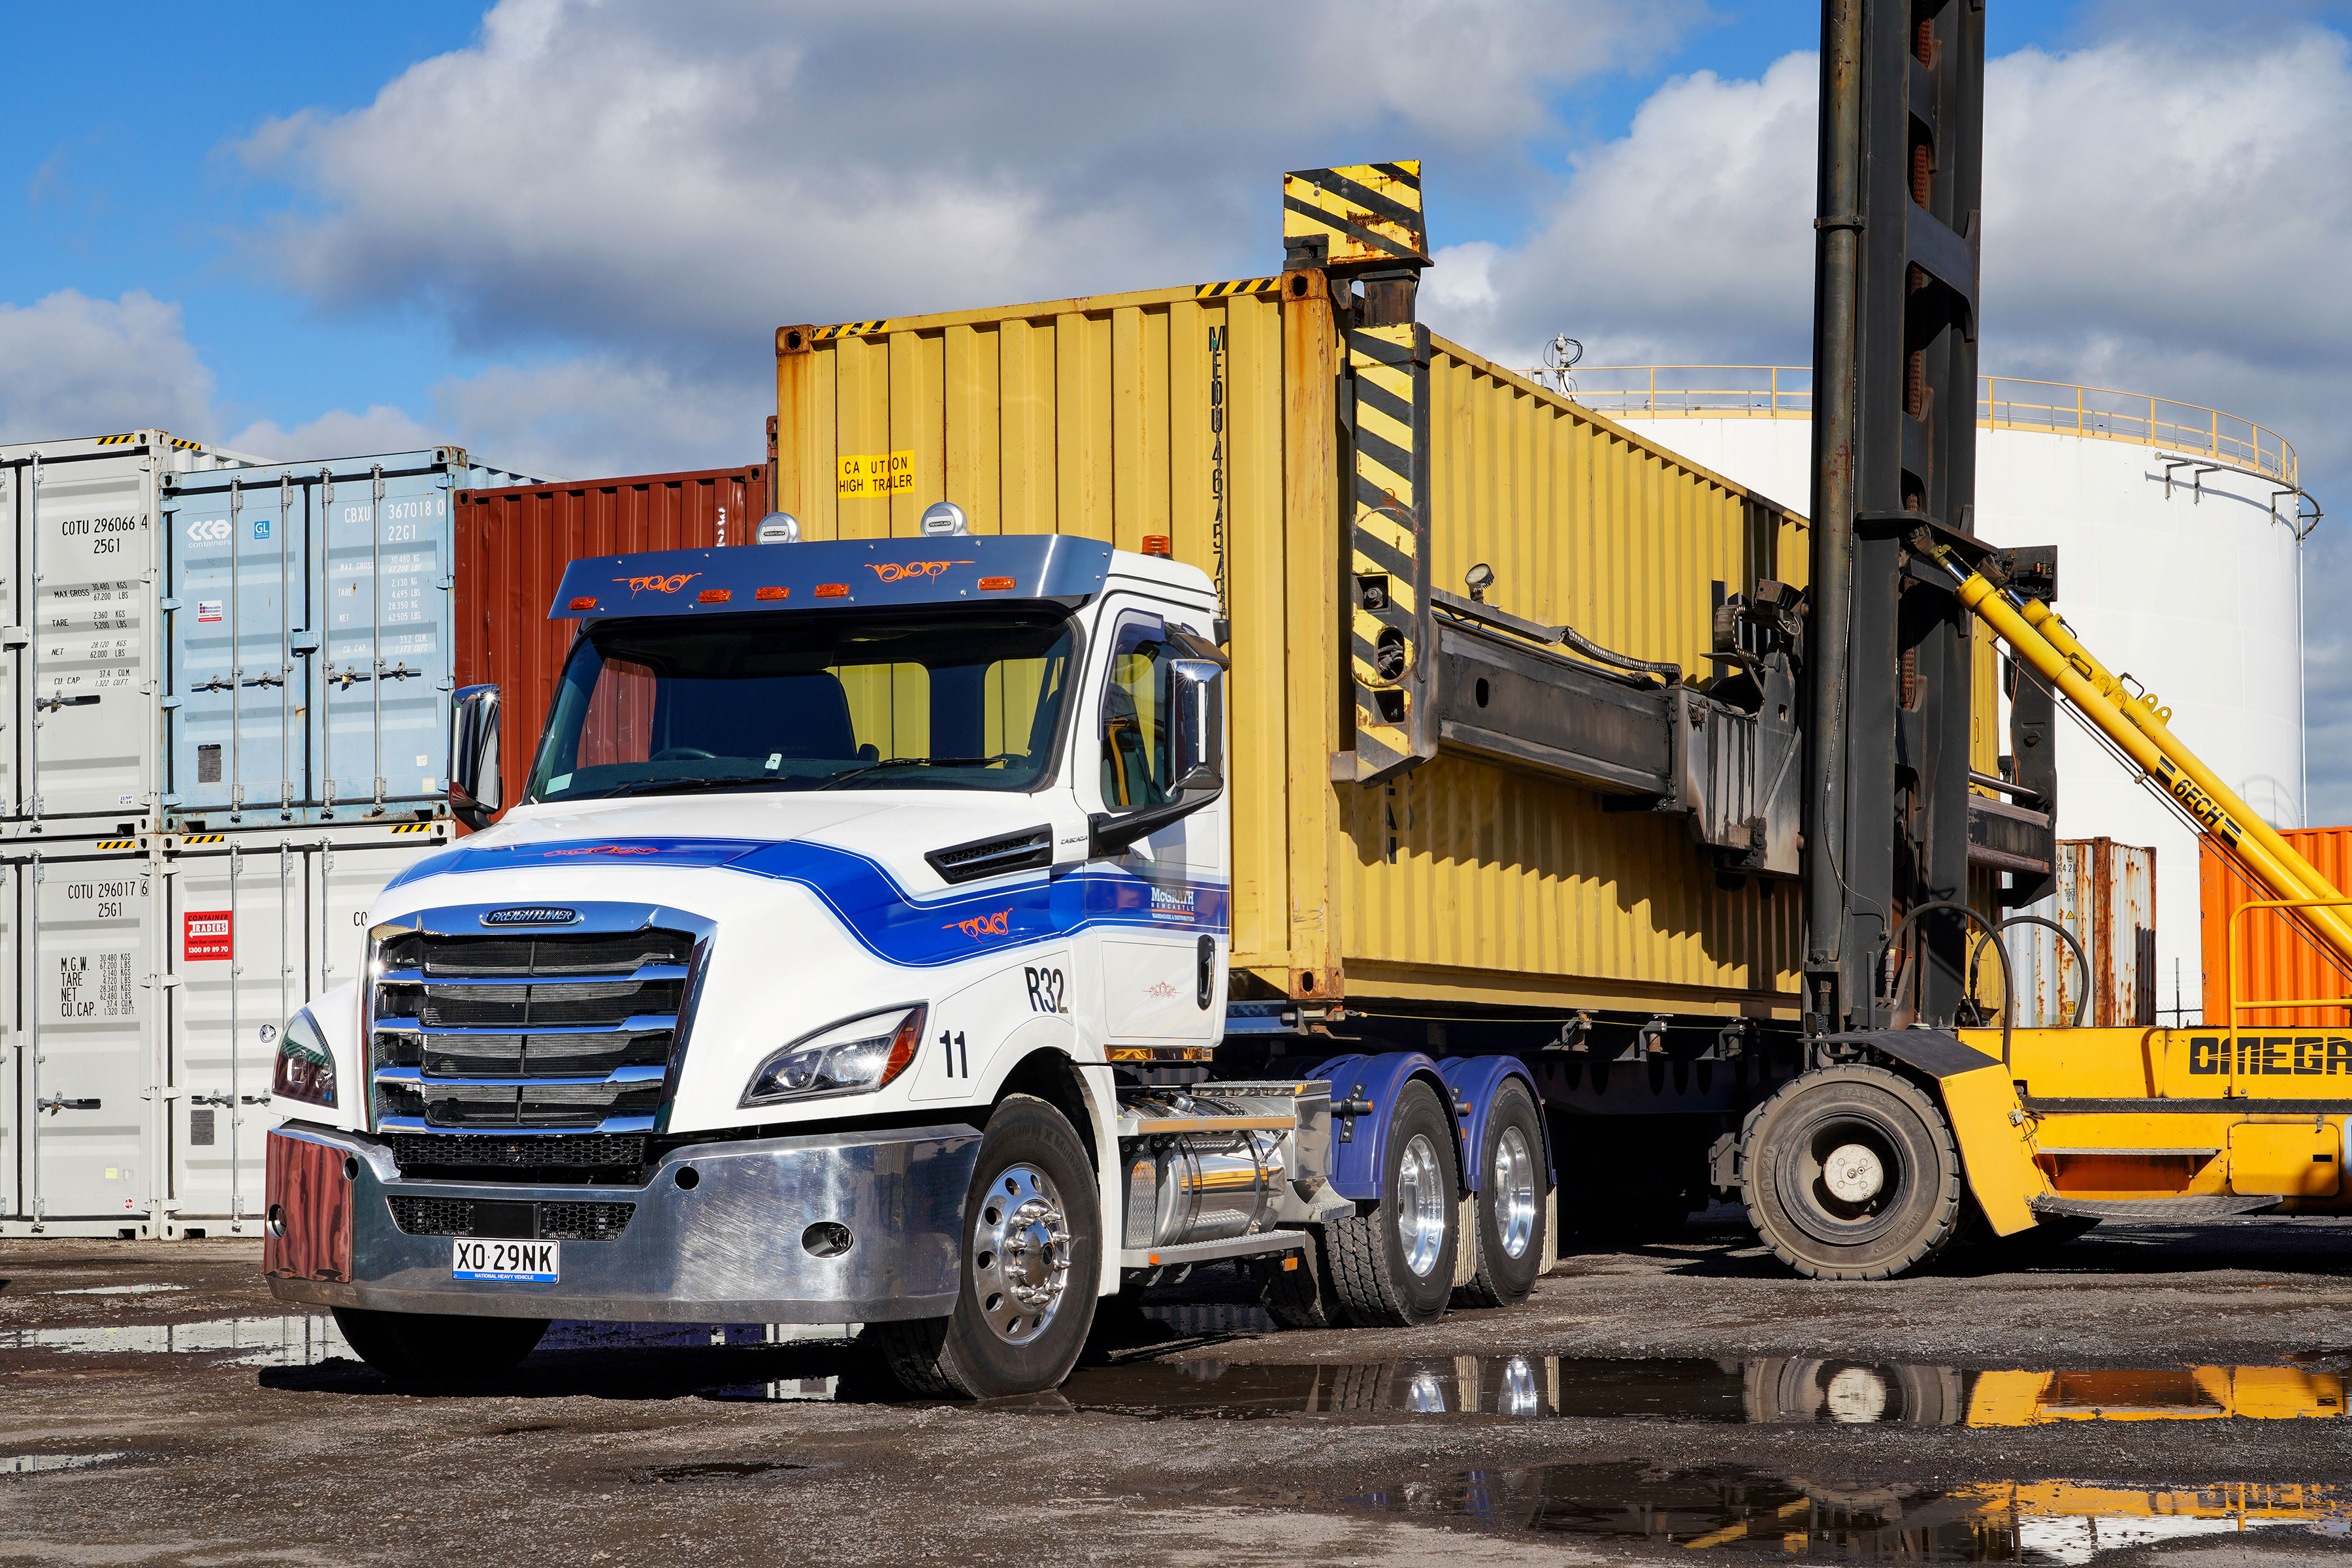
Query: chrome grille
[(556, 1221), (568, 1030), (419, 1152)]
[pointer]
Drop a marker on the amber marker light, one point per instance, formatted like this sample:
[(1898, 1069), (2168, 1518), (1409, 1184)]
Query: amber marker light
[(774, 593), (583, 604), (832, 590), (714, 595), (1157, 545), (995, 584)]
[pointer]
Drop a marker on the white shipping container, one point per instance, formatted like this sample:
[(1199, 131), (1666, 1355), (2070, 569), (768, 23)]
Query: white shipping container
[(78, 624), (256, 924), (78, 1145), (142, 1015)]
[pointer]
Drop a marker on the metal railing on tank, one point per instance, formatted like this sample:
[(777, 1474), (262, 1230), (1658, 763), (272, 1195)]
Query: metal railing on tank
[(2003, 403)]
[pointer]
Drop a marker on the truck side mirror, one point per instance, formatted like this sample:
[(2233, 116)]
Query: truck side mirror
[(476, 794), (1197, 704)]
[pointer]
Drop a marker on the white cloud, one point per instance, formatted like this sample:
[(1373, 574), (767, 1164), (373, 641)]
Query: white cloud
[(72, 366), (686, 174), (603, 415), (337, 432)]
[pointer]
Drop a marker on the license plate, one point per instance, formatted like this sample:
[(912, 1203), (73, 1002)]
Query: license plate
[(517, 1262)]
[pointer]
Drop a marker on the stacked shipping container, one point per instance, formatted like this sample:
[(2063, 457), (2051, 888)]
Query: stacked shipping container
[(2275, 962)]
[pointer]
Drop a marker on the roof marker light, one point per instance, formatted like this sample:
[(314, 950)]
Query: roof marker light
[(1157, 545), (832, 590), (995, 584), (583, 604), (714, 595), (774, 593)]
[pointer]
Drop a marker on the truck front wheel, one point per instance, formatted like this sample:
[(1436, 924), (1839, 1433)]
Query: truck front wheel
[(1853, 1173), (1032, 1260), (438, 1348)]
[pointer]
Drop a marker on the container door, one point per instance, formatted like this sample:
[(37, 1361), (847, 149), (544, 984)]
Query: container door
[(1148, 910), (346, 877), (15, 651), (86, 1000), (92, 735), (15, 1063), (238, 940), (381, 717), (239, 576)]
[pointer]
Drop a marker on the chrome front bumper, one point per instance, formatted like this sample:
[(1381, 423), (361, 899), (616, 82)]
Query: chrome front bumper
[(727, 1249)]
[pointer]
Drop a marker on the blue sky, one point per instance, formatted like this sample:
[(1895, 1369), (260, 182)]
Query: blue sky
[(562, 232)]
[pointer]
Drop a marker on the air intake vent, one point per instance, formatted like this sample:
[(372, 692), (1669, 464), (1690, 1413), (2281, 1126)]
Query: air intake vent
[(1029, 850)]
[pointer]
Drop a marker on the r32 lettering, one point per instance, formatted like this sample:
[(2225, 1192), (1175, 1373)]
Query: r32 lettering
[(1046, 989)]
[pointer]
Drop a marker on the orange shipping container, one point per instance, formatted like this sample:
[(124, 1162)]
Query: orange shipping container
[(513, 546), (2275, 962)]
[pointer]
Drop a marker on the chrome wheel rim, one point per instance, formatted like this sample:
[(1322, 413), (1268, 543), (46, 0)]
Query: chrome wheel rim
[(1511, 1189), (1020, 1254), (1423, 1204)]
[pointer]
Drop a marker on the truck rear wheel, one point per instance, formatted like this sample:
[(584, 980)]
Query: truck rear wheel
[(1853, 1173), (1510, 1209), (1393, 1267), (1032, 1260), (438, 1348)]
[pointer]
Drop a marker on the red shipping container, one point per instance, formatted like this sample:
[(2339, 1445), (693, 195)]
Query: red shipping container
[(2276, 961), (512, 545)]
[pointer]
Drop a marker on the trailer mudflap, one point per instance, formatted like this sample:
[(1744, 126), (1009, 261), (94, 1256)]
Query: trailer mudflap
[(1988, 1120)]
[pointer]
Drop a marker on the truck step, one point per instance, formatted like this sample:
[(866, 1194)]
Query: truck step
[(1208, 1251), (2152, 1208)]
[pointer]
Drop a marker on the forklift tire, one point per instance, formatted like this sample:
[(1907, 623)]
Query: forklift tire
[(438, 1348), (1029, 1269), (1510, 1202), (1393, 1261), (1853, 1173)]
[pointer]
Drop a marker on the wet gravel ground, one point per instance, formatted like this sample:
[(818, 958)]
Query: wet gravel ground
[(156, 1406)]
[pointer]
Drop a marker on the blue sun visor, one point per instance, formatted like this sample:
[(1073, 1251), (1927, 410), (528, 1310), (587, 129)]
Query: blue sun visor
[(940, 569)]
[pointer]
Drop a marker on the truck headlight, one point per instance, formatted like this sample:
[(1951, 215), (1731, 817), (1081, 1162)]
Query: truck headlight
[(306, 1067), (856, 1056)]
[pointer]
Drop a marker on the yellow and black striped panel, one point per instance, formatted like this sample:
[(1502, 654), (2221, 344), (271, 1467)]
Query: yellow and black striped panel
[(1369, 212), (203, 838), (850, 330), (1388, 546), (115, 843), (117, 440), (416, 827), (1236, 286)]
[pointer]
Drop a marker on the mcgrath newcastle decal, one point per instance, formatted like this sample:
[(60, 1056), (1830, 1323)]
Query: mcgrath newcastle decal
[(531, 915), (669, 584), (887, 920)]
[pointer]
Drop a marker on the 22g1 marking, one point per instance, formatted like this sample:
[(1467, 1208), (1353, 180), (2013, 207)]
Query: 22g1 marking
[(1047, 990)]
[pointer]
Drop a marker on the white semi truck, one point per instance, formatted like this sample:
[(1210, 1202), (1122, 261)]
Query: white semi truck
[(859, 953)]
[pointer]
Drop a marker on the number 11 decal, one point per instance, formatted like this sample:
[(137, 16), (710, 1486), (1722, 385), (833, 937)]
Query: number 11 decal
[(953, 1048)]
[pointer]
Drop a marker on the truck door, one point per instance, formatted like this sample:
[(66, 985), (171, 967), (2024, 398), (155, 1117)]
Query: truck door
[(1151, 909)]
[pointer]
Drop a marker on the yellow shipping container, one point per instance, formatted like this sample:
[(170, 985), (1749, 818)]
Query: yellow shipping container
[(1218, 418)]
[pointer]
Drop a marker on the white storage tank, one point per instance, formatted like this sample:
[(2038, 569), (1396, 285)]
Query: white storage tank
[(2178, 530)]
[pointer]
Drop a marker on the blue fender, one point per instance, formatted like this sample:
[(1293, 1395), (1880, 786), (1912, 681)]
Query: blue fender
[(1356, 1162), (1474, 1080)]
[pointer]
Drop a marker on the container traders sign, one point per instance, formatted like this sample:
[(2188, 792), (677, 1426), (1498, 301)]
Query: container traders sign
[(208, 934)]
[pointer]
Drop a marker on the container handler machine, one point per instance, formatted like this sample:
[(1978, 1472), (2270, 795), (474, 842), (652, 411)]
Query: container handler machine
[(1913, 1119)]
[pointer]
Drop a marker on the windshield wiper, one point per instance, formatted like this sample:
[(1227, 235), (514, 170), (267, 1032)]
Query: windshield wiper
[(859, 772), (647, 786)]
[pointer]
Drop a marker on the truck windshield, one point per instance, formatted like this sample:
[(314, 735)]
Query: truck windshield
[(807, 702)]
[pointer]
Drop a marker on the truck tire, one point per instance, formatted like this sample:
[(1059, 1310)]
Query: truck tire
[(1853, 1173), (1302, 1298), (1510, 1202), (1392, 1266), (1783, 1389), (438, 1348), (1031, 1259)]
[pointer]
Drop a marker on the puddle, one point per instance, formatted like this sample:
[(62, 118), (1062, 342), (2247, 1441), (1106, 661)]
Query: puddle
[(720, 1470), (2051, 1521), (1767, 1390), (300, 1339), (118, 1289), (29, 1464)]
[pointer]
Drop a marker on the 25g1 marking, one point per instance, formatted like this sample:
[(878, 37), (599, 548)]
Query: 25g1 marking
[(1046, 989)]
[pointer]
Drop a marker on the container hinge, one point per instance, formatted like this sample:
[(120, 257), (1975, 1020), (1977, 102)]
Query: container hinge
[(302, 641), (167, 604), (169, 703)]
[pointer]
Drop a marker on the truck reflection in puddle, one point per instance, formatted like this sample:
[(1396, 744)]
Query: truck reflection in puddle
[(1998, 1521)]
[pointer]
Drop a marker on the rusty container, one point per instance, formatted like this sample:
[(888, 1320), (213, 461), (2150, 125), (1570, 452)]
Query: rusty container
[(2275, 962), (511, 548), (1215, 422), (2105, 898)]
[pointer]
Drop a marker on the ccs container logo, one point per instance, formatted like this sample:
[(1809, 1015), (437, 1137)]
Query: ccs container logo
[(208, 934), (209, 531)]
